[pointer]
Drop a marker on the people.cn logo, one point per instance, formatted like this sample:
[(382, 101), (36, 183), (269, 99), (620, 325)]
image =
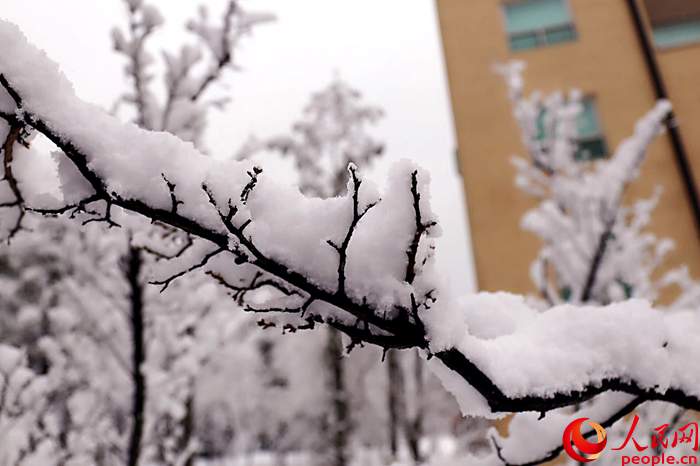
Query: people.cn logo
[(584, 450)]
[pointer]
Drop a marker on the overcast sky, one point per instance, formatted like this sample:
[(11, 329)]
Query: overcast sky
[(388, 49)]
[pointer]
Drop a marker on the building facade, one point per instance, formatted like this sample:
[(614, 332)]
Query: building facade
[(623, 55)]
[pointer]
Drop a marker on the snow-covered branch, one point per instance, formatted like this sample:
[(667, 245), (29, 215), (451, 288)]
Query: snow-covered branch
[(493, 351)]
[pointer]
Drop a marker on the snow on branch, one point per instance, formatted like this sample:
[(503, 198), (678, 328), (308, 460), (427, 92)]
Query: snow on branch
[(365, 271), (517, 449)]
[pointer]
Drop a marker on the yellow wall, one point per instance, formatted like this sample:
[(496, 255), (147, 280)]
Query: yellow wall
[(681, 71), (606, 62)]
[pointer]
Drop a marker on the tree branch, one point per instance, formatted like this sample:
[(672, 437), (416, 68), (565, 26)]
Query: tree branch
[(400, 332), (421, 229), (225, 59), (553, 454), (357, 215), (13, 136)]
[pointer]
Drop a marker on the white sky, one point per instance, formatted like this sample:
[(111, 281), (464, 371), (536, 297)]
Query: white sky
[(388, 49)]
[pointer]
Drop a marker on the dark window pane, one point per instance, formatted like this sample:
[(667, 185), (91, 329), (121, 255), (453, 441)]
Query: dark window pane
[(559, 35), (587, 121), (523, 41), (541, 134), (591, 149)]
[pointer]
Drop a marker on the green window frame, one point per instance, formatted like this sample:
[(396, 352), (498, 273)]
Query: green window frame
[(537, 23)]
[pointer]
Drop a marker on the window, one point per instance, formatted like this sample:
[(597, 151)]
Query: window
[(674, 22), (591, 143), (674, 35), (536, 23)]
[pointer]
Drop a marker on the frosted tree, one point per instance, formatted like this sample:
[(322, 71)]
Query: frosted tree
[(332, 134), (376, 283), (188, 76), (30, 273), (91, 355), (595, 249), (60, 411), (65, 340), (184, 111), (84, 406), (21, 390), (189, 73), (185, 335)]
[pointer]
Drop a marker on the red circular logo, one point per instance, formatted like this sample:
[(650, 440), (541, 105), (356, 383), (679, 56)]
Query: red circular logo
[(585, 451)]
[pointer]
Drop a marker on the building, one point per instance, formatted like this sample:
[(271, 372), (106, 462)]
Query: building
[(623, 54)]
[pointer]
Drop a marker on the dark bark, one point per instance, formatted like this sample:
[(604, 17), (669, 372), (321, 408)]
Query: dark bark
[(65, 427), (138, 356), (187, 427), (14, 136), (341, 425), (597, 261), (340, 428), (395, 401), (414, 427)]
